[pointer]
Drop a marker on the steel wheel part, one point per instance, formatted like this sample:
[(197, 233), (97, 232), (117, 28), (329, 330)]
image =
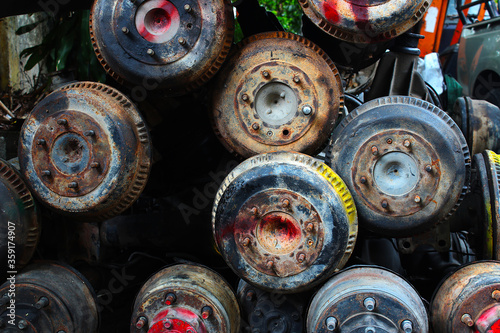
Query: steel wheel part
[(186, 299), (20, 222), (405, 161), (468, 300), (284, 222), (367, 299), (277, 92), (85, 150), (49, 297), (268, 312), (365, 21), (480, 122), (162, 44)]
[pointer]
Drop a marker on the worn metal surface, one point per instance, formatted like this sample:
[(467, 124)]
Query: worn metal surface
[(172, 45), (19, 220), (468, 300), (365, 21), (491, 197), (271, 312), (49, 297), (367, 299), (406, 162), (85, 149), (284, 221), (186, 299), (479, 120), (278, 91)]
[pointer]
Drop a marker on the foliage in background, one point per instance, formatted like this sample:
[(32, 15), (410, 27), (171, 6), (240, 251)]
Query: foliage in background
[(288, 13), (67, 47)]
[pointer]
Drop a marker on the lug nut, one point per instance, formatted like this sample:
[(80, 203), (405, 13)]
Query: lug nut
[(167, 323), (307, 110), (170, 299), (22, 325), (301, 258), (255, 211), (42, 302), (89, 133), (181, 41), (374, 150), (331, 324), (62, 122), (296, 79), (428, 168), (141, 322), (95, 165), (285, 203), (496, 295), (369, 303), (467, 320), (363, 180), (407, 326), (46, 173), (41, 142), (310, 242), (407, 143), (125, 30), (266, 74), (73, 185), (270, 264), (206, 312), (255, 126), (188, 8), (150, 52), (370, 330), (244, 97), (310, 227), (269, 133), (417, 199), (246, 242), (283, 94), (385, 204)]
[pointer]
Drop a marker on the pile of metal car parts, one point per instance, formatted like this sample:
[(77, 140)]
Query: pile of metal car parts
[(330, 212)]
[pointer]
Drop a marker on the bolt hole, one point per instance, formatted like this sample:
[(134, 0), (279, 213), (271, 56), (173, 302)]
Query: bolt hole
[(286, 132), (189, 26), (442, 243), (406, 245)]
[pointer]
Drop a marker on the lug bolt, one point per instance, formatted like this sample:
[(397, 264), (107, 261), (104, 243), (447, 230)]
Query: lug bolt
[(170, 299), (467, 320), (141, 322), (407, 143), (206, 312), (89, 133), (296, 79), (63, 122), (255, 126), (407, 326), (389, 141), (167, 323), (42, 302), (150, 52), (125, 30), (181, 41), (428, 168), (187, 8), (250, 295), (363, 180), (246, 242), (22, 325), (385, 204), (285, 203), (244, 97), (374, 150), (270, 264), (417, 199), (369, 303), (266, 74), (95, 165), (370, 330), (283, 94), (255, 211), (46, 173), (301, 258), (269, 111), (496, 295), (41, 142), (310, 227), (307, 110), (73, 185), (331, 324)]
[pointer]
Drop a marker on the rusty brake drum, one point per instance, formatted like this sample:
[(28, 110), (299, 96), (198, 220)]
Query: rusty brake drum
[(468, 300), (405, 161), (365, 21), (277, 91), (186, 299), (19, 220), (368, 300), (85, 149), (173, 45), (284, 222), (49, 297)]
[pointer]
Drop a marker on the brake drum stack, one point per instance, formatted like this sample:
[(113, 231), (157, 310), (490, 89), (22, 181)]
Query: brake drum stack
[(220, 187)]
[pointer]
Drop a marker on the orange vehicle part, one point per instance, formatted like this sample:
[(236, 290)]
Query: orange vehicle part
[(432, 27)]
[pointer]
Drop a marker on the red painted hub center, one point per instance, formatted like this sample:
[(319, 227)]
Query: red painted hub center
[(279, 233), (157, 21), (177, 320)]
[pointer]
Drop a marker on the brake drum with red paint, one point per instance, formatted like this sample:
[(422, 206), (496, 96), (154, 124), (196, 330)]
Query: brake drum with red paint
[(365, 21), (162, 44), (277, 92), (186, 299), (406, 162), (85, 150), (284, 221)]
